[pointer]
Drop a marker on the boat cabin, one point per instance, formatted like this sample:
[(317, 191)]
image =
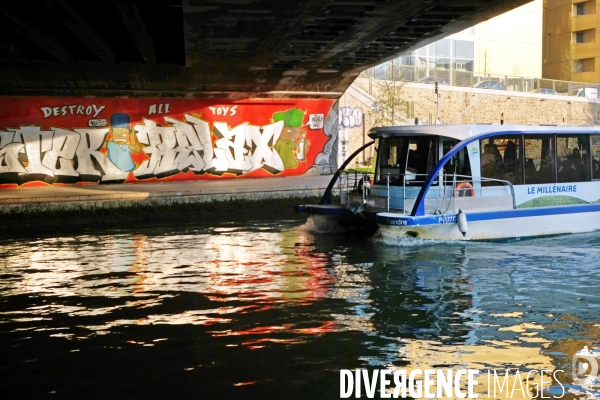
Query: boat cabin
[(441, 168)]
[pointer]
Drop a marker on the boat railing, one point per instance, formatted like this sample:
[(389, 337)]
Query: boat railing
[(468, 192), (481, 180), (361, 190), (355, 187), (449, 189)]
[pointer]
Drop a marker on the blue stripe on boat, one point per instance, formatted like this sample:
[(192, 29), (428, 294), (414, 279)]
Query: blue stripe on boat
[(407, 220)]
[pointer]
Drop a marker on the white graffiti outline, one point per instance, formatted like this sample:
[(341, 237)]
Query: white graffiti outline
[(177, 146)]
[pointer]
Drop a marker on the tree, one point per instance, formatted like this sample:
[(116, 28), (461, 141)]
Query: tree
[(389, 106), (569, 66), (484, 63)]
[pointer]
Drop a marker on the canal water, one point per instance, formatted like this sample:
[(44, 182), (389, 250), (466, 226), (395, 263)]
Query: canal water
[(273, 309)]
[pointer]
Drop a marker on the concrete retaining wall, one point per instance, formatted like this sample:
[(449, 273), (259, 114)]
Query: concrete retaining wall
[(224, 207), (118, 205)]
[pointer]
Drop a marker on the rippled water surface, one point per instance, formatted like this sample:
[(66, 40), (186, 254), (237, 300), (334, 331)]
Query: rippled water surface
[(273, 310)]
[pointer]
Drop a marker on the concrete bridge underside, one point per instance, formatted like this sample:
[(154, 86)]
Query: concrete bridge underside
[(215, 48)]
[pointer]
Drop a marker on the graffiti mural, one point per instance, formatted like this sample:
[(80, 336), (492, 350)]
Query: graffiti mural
[(351, 117), (66, 141)]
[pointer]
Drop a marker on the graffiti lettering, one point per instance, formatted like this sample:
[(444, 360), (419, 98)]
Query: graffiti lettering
[(9, 152), (234, 140), (232, 110), (61, 155), (261, 140), (162, 109), (160, 146), (72, 110), (64, 146), (189, 145), (36, 142), (351, 117), (91, 140)]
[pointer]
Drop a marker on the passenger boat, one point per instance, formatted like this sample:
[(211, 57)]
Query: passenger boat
[(471, 182)]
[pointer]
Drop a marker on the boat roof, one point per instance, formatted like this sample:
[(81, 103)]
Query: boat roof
[(462, 132)]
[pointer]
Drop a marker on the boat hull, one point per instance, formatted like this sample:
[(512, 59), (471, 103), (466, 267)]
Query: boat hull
[(328, 215), (498, 225)]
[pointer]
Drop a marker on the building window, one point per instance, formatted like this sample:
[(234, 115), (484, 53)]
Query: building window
[(443, 63), (463, 65), (588, 64), (579, 37), (580, 10), (578, 65), (464, 49), (445, 53), (443, 48)]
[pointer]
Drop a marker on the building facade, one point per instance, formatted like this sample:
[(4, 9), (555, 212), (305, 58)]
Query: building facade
[(509, 44), (570, 40), (454, 52)]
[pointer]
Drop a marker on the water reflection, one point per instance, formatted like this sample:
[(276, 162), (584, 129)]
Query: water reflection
[(192, 305)]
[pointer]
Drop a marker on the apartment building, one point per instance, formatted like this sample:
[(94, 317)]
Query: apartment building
[(570, 40)]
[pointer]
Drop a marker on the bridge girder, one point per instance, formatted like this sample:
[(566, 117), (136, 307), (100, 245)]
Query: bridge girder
[(216, 48)]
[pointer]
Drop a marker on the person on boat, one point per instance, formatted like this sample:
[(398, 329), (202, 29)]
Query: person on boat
[(496, 153), (488, 155), (491, 154), (547, 169), (490, 163), (575, 157), (510, 157), (572, 168), (509, 162)]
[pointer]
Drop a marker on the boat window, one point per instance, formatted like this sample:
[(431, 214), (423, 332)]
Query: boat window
[(462, 162), (501, 158), (448, 144), (540, 159), (573, 152), (459, 163), (412, 158), (391, 156), (422, 157), (596, 156)]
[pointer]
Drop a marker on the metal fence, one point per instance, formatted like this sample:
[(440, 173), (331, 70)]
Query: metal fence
[(409, 73)]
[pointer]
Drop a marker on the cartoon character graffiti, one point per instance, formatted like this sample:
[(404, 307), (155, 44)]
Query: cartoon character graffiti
[(123, 142), (292, 145)]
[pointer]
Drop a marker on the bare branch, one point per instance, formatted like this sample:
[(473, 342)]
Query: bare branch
[(568, 65), (389, 106)]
